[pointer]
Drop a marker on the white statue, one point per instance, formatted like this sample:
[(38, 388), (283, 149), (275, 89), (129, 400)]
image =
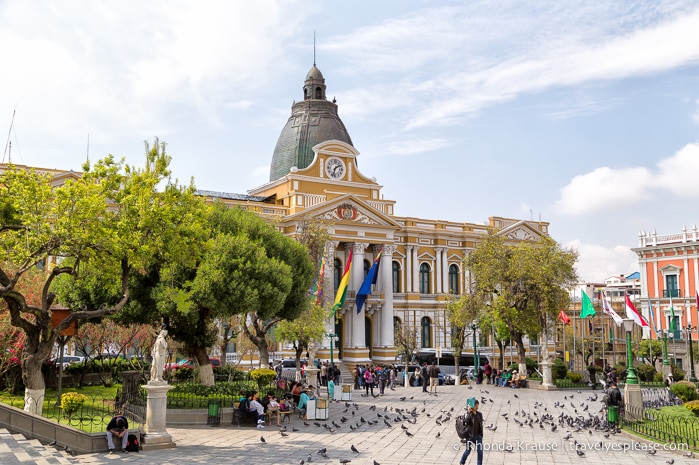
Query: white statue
[(159, 355)]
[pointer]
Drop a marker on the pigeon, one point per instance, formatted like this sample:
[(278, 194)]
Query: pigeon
[(376, 463), (283, 434), (354, 449), (345, 461), (403, 427), (294, 429), (408, 433), (580, 453), (309, 458), (322, 451), (670, 462), (438, 434), (652, 451), (689, 454), (262, 439), (494, 428), (567, 436), (301, 462), (306, 424), (52, 443)]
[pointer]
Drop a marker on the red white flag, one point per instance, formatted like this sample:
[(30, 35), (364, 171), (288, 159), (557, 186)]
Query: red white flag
[(607, 308), (563, 318), (634, 314)]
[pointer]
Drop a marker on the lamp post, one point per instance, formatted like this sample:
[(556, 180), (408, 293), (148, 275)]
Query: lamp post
[(666, 360), (630, 373), (476, 358), (692, 378), (332, 337)]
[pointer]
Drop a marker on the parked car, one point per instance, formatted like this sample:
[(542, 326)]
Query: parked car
[(190, 363), (70, 359), (289, 367)]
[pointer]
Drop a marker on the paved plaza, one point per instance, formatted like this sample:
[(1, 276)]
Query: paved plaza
[(518, 437)]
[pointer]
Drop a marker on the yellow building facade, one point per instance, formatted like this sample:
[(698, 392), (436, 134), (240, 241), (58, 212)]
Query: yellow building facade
[(314, 174)]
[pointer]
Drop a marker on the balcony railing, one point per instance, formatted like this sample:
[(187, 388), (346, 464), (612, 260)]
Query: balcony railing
[(671, 292)]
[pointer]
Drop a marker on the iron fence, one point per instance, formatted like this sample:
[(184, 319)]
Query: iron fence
[(669, 429), (92, 415)]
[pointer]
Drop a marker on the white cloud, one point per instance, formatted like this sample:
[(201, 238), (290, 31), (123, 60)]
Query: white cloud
[(597, 263), (414, 146), (468, 57), (605, 188)]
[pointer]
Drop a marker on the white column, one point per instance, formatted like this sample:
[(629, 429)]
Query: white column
[(416, 270), (685, 270), (355, 283), (408, 269), (655, 278), (386, 285), (329, 288), (445, 271), (438, 269)]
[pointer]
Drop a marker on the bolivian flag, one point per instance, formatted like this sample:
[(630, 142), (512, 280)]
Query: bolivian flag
[(342, 289)]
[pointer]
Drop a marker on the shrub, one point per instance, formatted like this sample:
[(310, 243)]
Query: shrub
[(692, 406), (677, 372), (71, 402), (558, 369), (685, 390), (646, 372), (263, 376), (574, 377), (658, 377)]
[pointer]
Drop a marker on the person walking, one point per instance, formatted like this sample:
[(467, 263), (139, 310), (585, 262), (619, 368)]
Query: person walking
[(425, 377), (474, 420), (369, 381), (434, 377)]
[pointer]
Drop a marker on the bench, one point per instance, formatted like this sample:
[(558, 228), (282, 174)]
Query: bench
[(243, 418), (285, 416)]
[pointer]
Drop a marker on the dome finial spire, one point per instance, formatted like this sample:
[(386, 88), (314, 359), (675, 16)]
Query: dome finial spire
[(314, 48)]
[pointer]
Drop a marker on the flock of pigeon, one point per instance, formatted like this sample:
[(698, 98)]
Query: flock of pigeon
[(572, 418)]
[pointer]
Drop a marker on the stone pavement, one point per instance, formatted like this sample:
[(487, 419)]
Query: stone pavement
[(386, 445)]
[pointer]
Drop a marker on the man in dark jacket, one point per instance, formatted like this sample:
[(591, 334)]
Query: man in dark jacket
[(118, 426), (474, 420), (434, 377), (425, 377)]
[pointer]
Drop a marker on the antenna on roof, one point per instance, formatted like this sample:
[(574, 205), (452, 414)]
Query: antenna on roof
[(8, 144), (314, 48), (88, 147)]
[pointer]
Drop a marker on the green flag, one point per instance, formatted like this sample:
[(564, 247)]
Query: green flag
[(672, 317), (587, 308)]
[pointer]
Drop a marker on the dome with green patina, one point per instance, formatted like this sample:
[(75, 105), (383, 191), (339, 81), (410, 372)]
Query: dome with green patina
[(313, 120)]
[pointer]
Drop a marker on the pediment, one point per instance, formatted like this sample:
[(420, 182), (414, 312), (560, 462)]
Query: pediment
[(347, 209), (520, 231), (670, 269)]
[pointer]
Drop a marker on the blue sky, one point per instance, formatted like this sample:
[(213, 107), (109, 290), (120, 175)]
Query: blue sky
[(585, 114)]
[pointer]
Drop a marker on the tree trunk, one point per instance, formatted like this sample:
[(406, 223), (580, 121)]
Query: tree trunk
[(521, 352), (501, 347), (259, 338), (206, 371), (457, 371), (33, 356)]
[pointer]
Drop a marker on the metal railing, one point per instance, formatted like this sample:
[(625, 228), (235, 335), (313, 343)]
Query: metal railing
[(671, 292), (92, 415), (668, 429)]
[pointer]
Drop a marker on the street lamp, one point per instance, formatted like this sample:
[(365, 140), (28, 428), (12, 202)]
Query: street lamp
[(476, 357), (630, 373), (333, 337), (692, 378), (666, 360)]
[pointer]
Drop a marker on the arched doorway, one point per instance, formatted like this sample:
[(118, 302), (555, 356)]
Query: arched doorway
[(338, 332)]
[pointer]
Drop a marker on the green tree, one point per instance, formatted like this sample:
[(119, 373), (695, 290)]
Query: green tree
[(528, 281), (650, 350), (104, 226), (462, 313), (308, 327), (261, 315)]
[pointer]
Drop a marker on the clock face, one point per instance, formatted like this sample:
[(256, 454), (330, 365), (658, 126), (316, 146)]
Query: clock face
[(335, 168)]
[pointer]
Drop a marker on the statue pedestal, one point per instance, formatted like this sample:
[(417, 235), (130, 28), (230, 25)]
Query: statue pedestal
[(666, 371), (633, 402), (547, 381), (312, 378), (156, 416)]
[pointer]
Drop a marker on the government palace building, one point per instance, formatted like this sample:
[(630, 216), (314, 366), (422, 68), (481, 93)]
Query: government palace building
[(314, 175)]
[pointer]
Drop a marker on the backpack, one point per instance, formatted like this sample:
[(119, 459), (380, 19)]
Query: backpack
[(133, 445), (463, 429)]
